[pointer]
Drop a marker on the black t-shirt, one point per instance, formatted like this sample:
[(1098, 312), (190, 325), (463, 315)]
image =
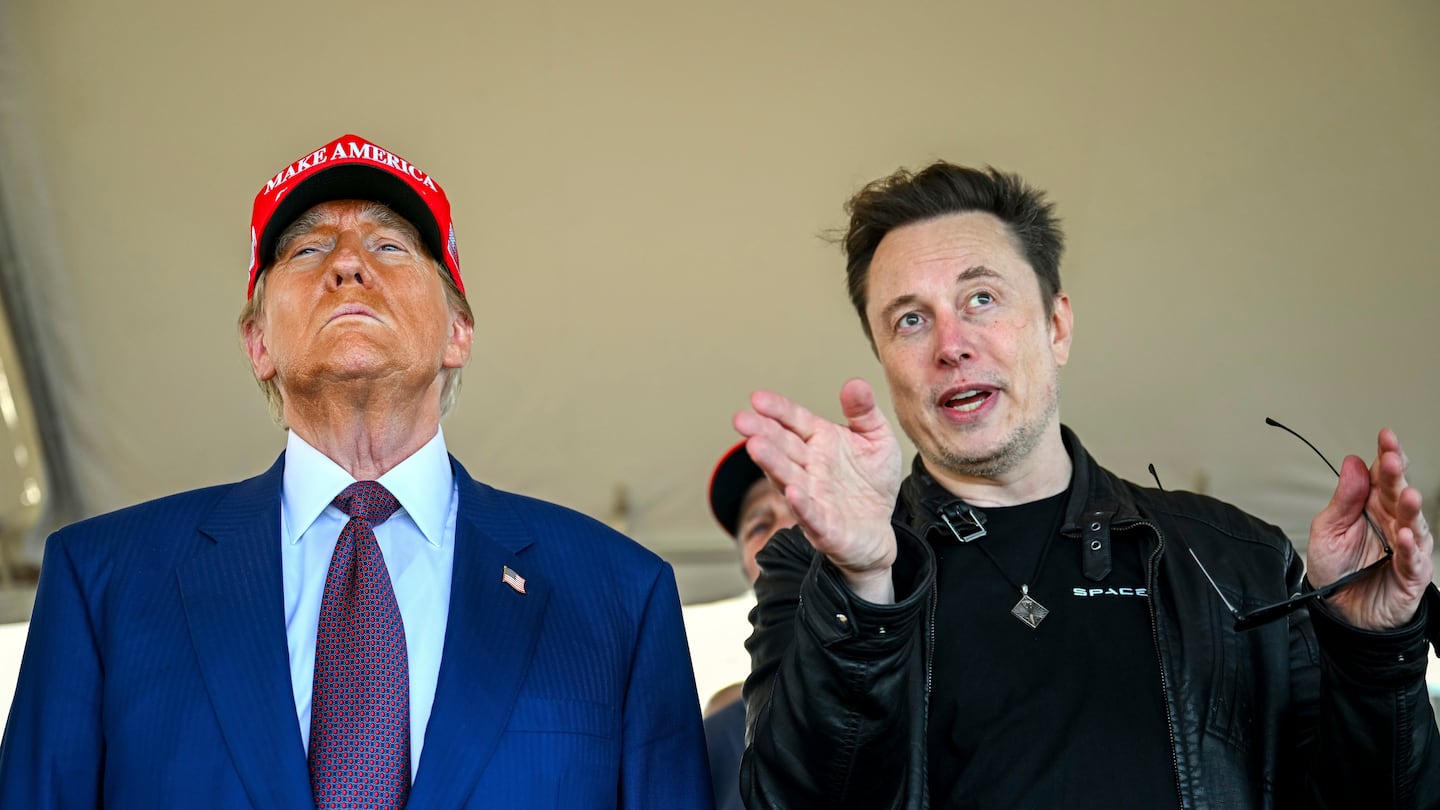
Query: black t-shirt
[(1067, 714)]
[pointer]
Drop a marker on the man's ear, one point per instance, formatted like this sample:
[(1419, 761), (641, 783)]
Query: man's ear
[(260, 361), (1062, 322), (457, 349)]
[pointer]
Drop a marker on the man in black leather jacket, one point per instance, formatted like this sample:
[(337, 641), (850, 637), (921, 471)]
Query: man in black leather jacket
[(887, 672)]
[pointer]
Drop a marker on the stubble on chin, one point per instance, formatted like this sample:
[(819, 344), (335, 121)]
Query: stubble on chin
[(1000, 460)]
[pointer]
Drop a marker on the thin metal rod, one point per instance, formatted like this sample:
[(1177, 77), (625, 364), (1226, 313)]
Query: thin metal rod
[(1363, 513)]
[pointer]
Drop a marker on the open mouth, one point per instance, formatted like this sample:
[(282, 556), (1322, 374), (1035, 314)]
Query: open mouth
[(967, 400)]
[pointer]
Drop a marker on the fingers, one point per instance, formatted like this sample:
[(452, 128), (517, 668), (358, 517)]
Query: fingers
[(1401, 507), (1393, 499), (795, 446), (776, 450), (1412, 561), (1387, 473), (777, 465), (1411, 514), (1345, 506), (1413, 539), (857, 402), (1414, 504), (792, 416), (1389, 442), (777, 434), (805, 509)]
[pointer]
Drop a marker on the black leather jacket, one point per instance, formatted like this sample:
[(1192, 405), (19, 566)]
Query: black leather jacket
[(1304, 712)]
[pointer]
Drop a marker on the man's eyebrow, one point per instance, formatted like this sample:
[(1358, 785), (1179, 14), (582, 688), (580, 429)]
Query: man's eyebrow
[(978, 271), (296, 229), (382, 214), (903, 302), (385, 216)]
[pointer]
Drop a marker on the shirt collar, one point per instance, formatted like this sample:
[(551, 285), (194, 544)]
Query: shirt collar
[(422, 483)]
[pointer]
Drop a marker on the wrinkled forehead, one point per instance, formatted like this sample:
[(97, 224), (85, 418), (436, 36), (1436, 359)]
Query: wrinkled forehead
[(945, 251), (336, 213), (967, 238)]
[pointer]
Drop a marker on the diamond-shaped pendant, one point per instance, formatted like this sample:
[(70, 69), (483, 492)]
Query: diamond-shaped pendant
[(1029, 611)]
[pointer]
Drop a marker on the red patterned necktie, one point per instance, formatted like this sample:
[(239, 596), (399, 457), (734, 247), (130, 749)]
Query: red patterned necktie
[(360, 706)]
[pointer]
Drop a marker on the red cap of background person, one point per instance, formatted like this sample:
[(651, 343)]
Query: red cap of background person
[(352, 168), (733, 477)]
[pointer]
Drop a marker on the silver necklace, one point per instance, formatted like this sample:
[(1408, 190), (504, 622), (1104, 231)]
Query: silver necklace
[(1027, 610)]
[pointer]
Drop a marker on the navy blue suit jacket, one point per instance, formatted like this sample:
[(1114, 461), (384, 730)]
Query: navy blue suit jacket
[(156, 674)]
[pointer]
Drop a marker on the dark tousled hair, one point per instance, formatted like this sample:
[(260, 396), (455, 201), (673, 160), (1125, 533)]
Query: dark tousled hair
[(941, 189)]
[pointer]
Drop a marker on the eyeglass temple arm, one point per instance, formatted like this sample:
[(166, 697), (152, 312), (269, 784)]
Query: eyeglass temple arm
[(1366, 515), (1196, 557), (1244, 621), (1218, 592)]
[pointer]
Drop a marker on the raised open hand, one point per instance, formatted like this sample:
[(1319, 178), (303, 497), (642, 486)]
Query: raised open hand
[(841, 480)]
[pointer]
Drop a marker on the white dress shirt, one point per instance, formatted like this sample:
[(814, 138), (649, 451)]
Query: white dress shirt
[(418, 543)]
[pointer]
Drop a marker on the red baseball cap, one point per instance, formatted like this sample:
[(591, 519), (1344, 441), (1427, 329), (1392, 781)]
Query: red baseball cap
[(352, 168), (733, 476)]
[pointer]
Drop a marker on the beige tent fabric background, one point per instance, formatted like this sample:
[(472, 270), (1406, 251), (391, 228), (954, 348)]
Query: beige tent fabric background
[(1250, 190)]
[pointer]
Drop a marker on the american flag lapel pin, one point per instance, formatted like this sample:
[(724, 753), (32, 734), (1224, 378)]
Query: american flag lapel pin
[(514, 580)]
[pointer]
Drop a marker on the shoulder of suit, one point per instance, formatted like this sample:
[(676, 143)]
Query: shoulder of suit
[(551, 523), (181, 508)]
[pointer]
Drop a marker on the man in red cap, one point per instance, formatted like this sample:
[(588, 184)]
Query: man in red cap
[(750, 509), (363, 625), (747, 506)]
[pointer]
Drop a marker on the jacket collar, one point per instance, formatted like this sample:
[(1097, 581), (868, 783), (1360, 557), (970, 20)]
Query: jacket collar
[(924, 504), (234, 600), (233, 595)]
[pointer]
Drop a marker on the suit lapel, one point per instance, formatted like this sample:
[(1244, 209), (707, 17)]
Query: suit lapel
[(234, 602), (490, 637)]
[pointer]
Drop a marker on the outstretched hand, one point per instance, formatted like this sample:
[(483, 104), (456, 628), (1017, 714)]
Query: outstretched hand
[(1341, 541), (841, 480)]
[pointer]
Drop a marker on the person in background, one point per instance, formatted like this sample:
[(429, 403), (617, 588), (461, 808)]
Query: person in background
[(750, 509), (363, 625)]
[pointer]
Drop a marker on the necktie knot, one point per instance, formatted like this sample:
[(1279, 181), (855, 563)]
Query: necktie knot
[(367, 500)]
